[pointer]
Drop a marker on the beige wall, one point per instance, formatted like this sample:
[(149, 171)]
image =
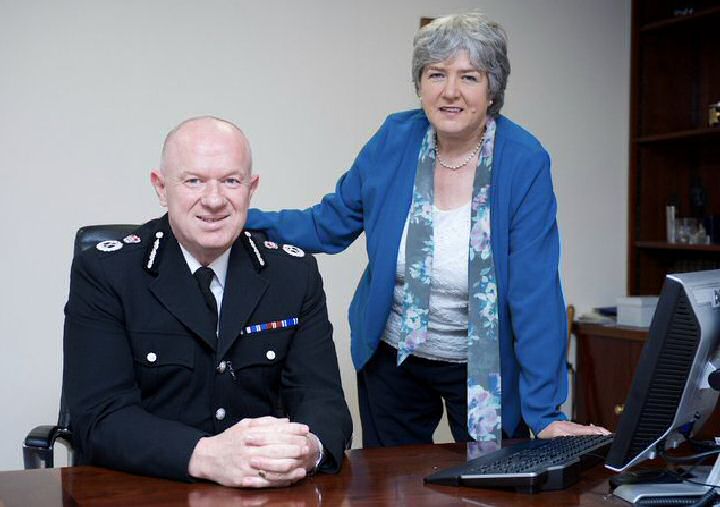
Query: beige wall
[(88, 89)]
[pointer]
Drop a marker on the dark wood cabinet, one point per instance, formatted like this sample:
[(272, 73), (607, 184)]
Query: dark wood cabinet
[(675, 77), (606, 361), (607, 356)]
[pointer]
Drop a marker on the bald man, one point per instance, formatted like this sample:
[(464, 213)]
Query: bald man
[(192, 349)]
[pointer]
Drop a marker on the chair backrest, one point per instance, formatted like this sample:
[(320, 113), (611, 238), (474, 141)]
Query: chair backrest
[(86, 237)]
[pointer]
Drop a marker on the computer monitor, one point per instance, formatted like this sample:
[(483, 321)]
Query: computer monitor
[(670, 398)]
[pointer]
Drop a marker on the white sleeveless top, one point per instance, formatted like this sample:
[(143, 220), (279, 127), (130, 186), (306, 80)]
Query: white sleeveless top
[(448, 318)]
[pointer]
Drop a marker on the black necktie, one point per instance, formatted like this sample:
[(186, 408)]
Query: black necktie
[(204, 277)]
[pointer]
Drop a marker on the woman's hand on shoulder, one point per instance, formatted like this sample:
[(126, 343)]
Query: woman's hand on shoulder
[(569, 428)]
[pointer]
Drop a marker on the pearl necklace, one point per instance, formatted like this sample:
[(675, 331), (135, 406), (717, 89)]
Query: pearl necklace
[(461, 164)]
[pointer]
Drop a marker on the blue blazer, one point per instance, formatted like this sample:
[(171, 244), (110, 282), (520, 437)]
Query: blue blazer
[(374, 197)]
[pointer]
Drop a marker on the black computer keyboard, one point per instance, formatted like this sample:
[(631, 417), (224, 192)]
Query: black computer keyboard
[(537, 465)]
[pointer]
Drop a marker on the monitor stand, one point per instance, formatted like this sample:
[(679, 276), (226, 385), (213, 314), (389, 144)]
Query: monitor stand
[(634, 493)]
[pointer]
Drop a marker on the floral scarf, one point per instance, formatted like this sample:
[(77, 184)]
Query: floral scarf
[(484, 383)]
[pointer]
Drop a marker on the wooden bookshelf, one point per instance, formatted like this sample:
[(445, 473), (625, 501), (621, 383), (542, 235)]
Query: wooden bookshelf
[(675, 76)]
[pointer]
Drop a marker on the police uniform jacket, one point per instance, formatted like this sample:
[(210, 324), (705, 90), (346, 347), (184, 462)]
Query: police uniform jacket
[(146, 376)]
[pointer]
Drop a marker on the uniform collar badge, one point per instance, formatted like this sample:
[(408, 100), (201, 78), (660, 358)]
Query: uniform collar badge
[(293, 250), (109, 246), (151, 259), (256, 257)]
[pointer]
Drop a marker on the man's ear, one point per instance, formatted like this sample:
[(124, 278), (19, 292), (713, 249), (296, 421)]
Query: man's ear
[(254, 183), (157, 179)]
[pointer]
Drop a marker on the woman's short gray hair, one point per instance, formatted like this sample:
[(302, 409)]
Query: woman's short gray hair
[(483, 39)]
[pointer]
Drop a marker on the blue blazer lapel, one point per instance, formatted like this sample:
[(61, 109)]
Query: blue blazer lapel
[(384, 239)]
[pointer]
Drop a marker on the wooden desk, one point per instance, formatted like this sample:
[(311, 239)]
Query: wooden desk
[(383, 476)]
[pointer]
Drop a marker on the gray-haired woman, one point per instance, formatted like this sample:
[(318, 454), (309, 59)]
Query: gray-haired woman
[(461, 301)]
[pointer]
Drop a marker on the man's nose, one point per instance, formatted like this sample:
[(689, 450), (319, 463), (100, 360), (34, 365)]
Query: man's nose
[(213, 196)]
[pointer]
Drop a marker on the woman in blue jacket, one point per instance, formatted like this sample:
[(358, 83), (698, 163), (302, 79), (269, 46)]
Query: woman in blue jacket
[(461, 301)]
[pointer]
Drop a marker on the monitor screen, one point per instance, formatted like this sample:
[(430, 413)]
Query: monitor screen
[(670, 398)]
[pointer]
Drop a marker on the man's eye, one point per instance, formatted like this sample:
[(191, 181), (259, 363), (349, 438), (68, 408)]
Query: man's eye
[(193, 182), (435, 75), (472, 78), (233, 182)]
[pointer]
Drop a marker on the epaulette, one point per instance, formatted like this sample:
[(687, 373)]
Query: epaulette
[(291, 250), (109, 245), (113, 245)]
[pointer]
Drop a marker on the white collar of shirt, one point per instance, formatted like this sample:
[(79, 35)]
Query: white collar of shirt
[(219, 266)]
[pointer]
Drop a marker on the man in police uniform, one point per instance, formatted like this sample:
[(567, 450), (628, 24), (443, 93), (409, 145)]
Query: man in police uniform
[(156, 382)]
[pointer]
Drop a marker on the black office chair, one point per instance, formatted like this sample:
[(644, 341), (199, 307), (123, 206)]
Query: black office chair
[(38, 447)]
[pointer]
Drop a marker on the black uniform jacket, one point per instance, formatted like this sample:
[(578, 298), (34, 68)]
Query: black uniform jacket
[(146, 376)]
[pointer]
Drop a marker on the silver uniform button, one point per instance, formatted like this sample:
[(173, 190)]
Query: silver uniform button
[(151, 357), (221, 367), (270, 354), (220, 414)]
